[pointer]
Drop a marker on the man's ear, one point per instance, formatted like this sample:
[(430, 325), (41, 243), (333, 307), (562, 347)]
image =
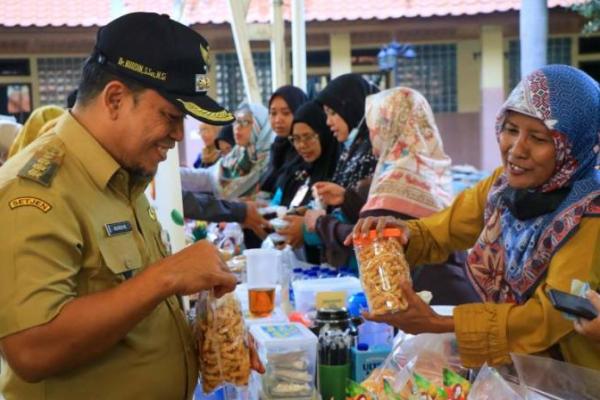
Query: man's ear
[(113, 97)]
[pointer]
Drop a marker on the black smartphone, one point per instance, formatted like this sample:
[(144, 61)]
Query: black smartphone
[(571, 304)]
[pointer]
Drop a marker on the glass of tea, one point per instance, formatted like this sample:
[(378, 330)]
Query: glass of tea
[(261, 301), (262, 271)]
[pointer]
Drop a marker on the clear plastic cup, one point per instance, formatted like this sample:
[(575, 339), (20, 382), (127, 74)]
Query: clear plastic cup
[(263, 273)]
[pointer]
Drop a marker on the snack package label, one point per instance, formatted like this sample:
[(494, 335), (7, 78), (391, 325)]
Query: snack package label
[(330, 299), (282, 331)]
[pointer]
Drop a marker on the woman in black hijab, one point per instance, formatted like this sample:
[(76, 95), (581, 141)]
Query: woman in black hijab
[(225, 140), (282, 105), (317, 149), (343, 100), (318, 152)]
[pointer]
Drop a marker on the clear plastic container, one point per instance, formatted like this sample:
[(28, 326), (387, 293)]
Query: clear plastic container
[(289, 353), (382, 268), (305, 291)]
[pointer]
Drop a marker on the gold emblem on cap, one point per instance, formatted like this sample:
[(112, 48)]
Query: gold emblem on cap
[(202, 83)]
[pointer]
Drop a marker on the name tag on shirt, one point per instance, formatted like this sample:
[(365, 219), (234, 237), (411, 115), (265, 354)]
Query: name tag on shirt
[(116, 228)]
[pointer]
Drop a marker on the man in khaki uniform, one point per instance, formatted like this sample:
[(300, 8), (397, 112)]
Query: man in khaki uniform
[(88, 306)]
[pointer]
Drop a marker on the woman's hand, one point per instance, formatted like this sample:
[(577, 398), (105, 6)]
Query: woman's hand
[(329, 193), (417, 318), (293, 231), (310, 219), (590, 328), (365, 225)]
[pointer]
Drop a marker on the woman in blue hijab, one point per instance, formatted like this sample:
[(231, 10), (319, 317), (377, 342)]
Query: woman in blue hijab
[(532, 226)]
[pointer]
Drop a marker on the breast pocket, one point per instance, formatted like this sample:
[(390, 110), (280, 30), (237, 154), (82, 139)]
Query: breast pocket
[(121, 259)]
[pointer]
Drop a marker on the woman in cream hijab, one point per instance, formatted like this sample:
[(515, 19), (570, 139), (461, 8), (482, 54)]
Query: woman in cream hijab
[(40, 121), (412, 176), (8, 133)]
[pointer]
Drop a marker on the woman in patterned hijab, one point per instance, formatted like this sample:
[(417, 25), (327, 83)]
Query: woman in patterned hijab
[(412, 176), (239, 171), (533, 226)]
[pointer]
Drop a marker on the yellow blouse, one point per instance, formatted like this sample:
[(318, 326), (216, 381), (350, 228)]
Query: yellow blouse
[(488, 332)]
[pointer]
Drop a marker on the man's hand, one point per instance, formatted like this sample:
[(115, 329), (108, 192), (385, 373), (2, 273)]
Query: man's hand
[(254, 221), (255, 362), (588, 328), (365, 225), (293, 231), (310, 219), (329, 193), (417, 318), (198, 267)]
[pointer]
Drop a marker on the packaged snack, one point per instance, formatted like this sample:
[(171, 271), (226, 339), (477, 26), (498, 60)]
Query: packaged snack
[(424, 389), (426, 354), (382, 269), (375, 383), (224, 352), (456, 387), (355, 391)]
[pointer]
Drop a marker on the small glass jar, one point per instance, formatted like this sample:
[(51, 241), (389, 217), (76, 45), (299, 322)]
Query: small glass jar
[(382, 268)]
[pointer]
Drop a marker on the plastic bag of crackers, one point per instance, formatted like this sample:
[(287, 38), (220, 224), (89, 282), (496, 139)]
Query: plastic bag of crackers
[(382, 269), (224, 353)]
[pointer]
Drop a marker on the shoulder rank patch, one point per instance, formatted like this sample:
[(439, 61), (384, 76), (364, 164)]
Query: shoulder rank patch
[(42, 167), (30, 201)]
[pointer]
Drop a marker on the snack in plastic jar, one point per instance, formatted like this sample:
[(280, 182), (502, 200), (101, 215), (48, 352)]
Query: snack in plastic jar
[(382, 269), (224, 352)]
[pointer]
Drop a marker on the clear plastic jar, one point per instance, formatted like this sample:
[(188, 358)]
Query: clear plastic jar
[(382, 268)]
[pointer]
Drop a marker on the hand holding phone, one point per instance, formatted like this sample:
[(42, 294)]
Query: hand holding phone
[(571, 304)]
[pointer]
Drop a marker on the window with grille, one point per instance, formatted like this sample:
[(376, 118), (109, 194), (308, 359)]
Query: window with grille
[(57, 77), (559, 52), (230, 87), (433, 73)]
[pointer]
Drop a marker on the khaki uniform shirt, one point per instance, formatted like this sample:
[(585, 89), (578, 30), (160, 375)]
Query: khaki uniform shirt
[(73, 223)]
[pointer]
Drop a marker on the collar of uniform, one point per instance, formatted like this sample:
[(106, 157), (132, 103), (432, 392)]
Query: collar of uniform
[(96, 160)]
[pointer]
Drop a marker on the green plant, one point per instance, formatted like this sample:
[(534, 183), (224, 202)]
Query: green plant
[(590, 10)]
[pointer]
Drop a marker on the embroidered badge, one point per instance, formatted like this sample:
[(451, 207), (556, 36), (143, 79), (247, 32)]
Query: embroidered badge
[(117, 228), (142, 69), (30, 201), (202, 83), (152, 213), (217, 116), (42, 167)]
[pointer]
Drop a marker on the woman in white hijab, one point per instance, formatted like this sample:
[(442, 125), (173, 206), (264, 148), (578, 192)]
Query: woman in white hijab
[(237, 174)]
